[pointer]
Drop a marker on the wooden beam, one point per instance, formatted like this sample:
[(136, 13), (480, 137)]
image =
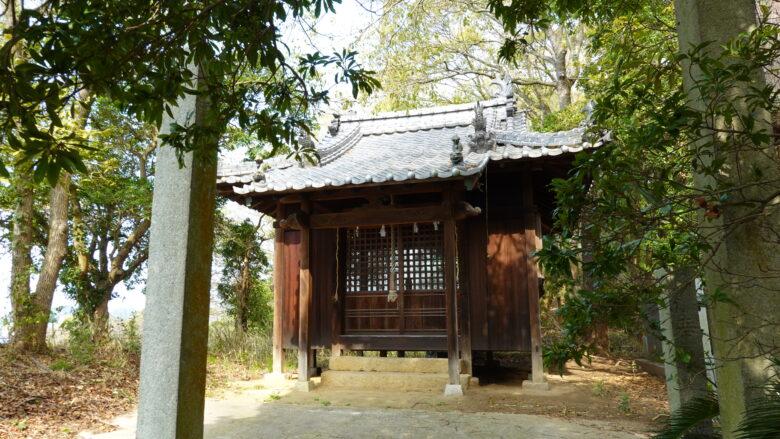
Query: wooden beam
[(279, 249), (367, 217), (296, 221), (304, 305), (363, 191)]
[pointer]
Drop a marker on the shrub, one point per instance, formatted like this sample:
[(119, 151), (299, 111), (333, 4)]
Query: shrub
[(253, 348)]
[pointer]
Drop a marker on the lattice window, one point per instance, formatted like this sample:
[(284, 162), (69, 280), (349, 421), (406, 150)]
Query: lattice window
[(394, 280), (423, 258), (373, 264), (368, 258)]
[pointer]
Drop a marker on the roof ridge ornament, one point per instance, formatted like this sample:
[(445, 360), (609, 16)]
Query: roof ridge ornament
[(335, 124), (481, 141), (456, 157), (504, 87), (305, 141)]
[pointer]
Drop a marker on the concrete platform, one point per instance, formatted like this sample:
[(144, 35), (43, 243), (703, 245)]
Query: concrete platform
[(390, 364), (396, 381)]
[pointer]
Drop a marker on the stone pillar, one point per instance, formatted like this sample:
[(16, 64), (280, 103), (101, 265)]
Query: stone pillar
[(175, 336), (651, 344), (684, 361), (746, 329)]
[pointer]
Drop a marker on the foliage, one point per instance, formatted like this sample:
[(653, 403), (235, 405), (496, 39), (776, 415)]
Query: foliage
[(561, 120), (436, 52), (111, 209), (634, 201), (244, 288), (690, 415), (81, 347), (252, 348), (144, 55), (758, 422)]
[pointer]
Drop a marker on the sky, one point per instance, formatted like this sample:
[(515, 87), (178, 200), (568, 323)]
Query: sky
[(332, 33)]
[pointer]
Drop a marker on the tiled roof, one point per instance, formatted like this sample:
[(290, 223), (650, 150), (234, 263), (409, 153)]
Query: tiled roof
[(405, 146)]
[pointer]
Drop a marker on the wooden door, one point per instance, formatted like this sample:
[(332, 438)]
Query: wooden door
[(394, 280)]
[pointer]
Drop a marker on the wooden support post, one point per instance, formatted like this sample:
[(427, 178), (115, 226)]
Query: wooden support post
[(464, 316), (313, 368), (532, 223), (383, 353), (401, 354), (278, 347), (453, 387), (304, 306)]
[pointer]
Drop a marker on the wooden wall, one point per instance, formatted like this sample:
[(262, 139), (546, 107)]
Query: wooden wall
[(492, 261), (323, 271), (495, 282)]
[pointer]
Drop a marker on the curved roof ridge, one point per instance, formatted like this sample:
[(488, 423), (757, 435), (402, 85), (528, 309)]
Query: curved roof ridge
[(443, 109)]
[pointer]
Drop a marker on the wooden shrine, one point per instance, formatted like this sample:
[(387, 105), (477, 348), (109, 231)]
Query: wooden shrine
[(413, 233)]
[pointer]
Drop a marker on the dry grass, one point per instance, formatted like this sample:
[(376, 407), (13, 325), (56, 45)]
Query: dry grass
[(50, 396)]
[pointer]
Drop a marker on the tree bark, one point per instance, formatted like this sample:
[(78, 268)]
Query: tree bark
[(242, 299), (21, 261), (116, 272), (745, 330), (563, 83), (56, 250), (599, 329), (684, 357)]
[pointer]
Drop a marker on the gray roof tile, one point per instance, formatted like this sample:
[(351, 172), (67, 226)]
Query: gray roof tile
[(403, 146)]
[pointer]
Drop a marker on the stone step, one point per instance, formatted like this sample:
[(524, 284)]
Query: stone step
[(390, 364), (389, 381)]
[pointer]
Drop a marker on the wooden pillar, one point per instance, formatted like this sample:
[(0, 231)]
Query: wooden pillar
[(532, 238), (451, 303), (464, 316), (279, 249), (304, 306), (401, 354)]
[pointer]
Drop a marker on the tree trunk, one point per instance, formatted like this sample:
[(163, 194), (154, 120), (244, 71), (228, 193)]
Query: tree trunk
[(100, 316), (56, 250), (684, 357), (599, 329), (563, 83), (242, 295), (21, 261), (746, 329)]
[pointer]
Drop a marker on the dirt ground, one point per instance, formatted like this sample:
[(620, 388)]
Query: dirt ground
[(42, 397), (604, 400), (38, 401), (610, 391)]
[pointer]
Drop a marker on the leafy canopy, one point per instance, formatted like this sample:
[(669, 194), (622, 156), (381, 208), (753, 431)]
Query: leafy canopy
[(140, 54)]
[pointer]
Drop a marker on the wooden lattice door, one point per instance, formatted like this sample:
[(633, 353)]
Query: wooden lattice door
[(394, 280)]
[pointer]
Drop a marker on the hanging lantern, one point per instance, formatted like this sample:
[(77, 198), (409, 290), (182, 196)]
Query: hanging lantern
[(382, 231), (436, 226), (416, 229), (357, 232)]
